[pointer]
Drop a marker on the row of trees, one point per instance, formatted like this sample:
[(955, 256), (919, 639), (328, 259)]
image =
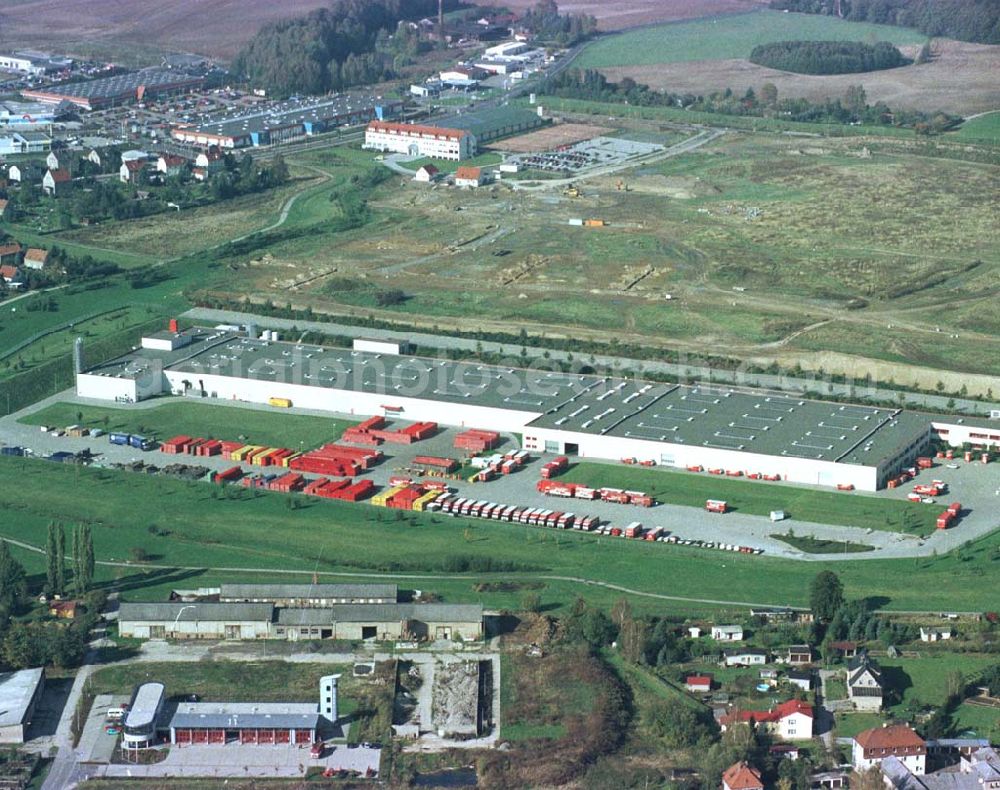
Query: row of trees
[(853, 107), (827, 57), (966, 20), (565, 30), (329, 49), (82, 561)]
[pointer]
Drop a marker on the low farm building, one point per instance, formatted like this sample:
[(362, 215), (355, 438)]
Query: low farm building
[(19, 694), (308, 595), (243, 621)]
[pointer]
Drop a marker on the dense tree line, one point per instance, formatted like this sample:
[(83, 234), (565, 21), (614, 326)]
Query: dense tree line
[(966, 20), (329, 49), (853, 107), (545, 21), (827, 57)]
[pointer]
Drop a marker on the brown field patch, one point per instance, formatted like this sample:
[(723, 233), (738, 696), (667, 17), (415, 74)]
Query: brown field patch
[(960, 79), (623, 14), (551, 138)]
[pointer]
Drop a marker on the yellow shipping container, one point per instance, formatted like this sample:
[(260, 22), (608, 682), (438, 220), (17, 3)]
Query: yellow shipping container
[(287, 460), (421, 504), (379, 500), (254, 458), (281, 403), (245, 451)]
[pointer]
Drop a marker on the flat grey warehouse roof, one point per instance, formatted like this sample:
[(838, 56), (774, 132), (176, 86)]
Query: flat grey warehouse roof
[(16, 692), (725, 418), (275, 591)]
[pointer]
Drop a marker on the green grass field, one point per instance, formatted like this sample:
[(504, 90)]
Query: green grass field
[(450, 166), (985, 128), (196, 525), (259, 426), (730, 37), (850, 724), (926, 678), (978, 719), (801, 504)]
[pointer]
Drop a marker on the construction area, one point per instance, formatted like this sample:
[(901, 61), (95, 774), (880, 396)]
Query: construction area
[(551, 138), (581, 157)]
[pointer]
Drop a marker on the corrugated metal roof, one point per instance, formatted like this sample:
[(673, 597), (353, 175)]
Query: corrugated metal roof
[(192, 612), (274, 591), (145, 703)]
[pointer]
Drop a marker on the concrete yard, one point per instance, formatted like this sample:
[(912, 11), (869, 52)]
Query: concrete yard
[(96, 745), (235, 760)]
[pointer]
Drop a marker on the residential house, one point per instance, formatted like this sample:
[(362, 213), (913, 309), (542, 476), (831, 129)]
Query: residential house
[(744, 657), (769, 674), (774, 614), (56, 182), (469, 177), (844, 649), (9, 253), (798, 654), (950, 750), (694, 631), (829, 780), (36, 258), (727, 633), (784, 751), (52, 161), (64, 610), (741, 777), (800, 678), (935, 634), (131, 171), (12, 276), (864, 683), (426, 174), (791, 720), (171, 165), (207, 164), (872, 746), (698, 684)]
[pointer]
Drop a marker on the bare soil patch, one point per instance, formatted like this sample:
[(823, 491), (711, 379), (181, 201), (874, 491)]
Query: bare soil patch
[(960, 79), (551, 138), (623, 14), (211, 27)]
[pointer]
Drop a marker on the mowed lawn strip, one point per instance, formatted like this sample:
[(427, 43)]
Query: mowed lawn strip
[(760, 498), (727, 37), (202, 526), (275, 428)]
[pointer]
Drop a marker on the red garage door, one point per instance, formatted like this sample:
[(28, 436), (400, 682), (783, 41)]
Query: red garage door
[(282, 736), (183, 736), (304, 736), (248, 736), (216, 736), (199, 736), (265, 736)]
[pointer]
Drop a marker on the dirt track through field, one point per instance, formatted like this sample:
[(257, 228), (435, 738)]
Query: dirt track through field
[(961, 79)]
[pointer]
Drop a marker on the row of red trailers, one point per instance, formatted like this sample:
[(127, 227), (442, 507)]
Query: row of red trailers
[(475, 441), (950, 454), (373, 432), (186, 445), (576, 491), (445, 465), (453, 505), (734, 473)]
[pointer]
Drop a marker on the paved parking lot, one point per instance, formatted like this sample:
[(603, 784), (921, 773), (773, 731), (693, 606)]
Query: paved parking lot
[(236, 760), (974, 484), (96, 744)]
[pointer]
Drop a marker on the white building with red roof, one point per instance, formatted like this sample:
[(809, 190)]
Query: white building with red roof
[(791, 720), (417, 140), (872, 746)]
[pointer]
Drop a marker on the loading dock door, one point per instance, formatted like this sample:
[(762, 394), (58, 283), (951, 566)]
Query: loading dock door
[(369, 632)]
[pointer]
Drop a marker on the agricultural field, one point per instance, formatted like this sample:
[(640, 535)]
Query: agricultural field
[(731, 36), (704, 55), (259, 426), (263, 531), (984, 128), (802, 504)]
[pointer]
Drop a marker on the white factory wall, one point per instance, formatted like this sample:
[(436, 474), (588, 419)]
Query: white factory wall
[(795, 470), (956, 435), (394, 347), (364, 404), (89, 385), (201, 629)]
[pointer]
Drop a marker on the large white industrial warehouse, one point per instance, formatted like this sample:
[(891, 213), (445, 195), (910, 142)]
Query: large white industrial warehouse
[(799, 440)]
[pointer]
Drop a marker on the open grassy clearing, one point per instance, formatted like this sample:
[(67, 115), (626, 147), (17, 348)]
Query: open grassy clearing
[(194, 524), (179, 233), (731, 36), (60, 344), (256, 426), (985, 128), (450, 166), (804, 226), (926, 678), (126, 258), (979, 719), (850, 724), (801, 504)]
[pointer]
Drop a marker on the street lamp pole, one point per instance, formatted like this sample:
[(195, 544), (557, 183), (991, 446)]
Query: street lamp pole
[(178, 617)]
